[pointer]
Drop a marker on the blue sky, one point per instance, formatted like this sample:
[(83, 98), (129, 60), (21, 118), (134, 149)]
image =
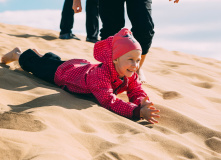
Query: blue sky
[(191, 26)]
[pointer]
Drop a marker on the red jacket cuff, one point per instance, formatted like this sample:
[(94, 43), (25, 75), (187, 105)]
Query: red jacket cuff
[(136, 113)]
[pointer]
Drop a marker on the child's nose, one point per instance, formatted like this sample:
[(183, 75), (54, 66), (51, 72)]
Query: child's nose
[(134, 64)]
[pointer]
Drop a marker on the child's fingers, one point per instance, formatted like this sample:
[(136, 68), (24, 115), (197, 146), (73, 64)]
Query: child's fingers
[(151, 107), (145, 101), (155, 115), (152, 120), (146, 98), (149, 104), (155, 110)]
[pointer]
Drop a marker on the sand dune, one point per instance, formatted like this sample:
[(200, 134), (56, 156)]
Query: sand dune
[(39, 121)]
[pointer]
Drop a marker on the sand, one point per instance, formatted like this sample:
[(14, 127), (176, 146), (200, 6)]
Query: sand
[(40, 121)]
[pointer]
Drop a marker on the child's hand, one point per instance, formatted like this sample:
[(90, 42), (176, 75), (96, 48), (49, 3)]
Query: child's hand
[(147, 110), (175, 1), (149, 113)]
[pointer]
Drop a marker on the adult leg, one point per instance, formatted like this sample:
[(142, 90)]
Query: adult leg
[(112, 17), (92, 19), (139, 13), (42, 67), (67, 21), (67, 17)]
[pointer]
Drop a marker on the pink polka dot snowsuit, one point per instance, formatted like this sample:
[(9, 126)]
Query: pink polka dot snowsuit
[(80, 76)]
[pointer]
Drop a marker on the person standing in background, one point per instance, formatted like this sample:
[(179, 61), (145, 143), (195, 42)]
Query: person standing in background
[(67, 21), (92, 21), (139, 13)]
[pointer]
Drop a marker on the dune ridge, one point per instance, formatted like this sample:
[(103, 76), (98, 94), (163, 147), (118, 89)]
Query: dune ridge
[(40, 121)]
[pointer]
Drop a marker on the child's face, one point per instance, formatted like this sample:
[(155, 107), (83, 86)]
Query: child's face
[(128, 63)]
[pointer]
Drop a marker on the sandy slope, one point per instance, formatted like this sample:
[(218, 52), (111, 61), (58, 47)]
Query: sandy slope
[(46, 123)]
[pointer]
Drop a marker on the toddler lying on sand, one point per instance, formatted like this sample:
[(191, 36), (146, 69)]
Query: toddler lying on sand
[(119, 56)]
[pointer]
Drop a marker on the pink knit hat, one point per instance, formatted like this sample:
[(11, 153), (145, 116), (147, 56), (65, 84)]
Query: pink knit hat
[(124, 42)]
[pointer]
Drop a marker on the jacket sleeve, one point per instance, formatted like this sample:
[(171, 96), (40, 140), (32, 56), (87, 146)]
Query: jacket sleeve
[(100, 86), (135, 92)]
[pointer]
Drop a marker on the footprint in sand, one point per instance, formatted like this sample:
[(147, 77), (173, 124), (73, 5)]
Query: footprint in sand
[(216, 100), (20, 121), (173, 64), (165, 72), (206, 85), (214, 143), (210, 62), (199, 77), (165, 94), (171, 95)]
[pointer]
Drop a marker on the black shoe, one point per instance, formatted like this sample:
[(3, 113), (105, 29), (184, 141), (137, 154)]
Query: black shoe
[(92, 40), (68, 36)]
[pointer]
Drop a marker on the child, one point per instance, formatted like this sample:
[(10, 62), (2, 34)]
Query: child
[(119, 56)]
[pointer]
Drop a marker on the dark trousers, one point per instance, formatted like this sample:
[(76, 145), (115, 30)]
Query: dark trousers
[(92, 18), (42, 67), (67, 17), (139, 12)]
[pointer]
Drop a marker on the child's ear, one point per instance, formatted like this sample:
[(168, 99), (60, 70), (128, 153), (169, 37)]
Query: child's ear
[(115, 61)]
